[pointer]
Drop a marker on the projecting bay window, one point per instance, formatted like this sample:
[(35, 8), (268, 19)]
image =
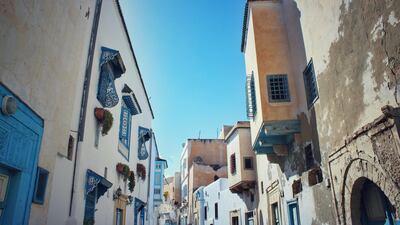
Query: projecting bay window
[(310, 83), (278, 88)]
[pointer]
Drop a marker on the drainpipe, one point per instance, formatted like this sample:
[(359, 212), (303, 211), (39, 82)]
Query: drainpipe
[(149, 175), (85, 94)]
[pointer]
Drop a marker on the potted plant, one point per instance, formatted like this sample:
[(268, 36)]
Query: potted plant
[(131, 178), (107, 122), (120, 168), (141, 171), (99, 114)]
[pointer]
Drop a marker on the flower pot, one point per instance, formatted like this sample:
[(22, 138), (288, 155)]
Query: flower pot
[(120, 168), (99, 114)]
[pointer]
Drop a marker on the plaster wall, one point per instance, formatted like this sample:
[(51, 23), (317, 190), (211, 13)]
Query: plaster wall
[(111, 34), (218, 192), (45, 46), (356, 48)]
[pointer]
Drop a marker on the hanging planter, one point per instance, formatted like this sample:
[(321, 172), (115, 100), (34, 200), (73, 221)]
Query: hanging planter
[(124, 170), (99, 114), (105, 118), (131, 178), (141, 171)]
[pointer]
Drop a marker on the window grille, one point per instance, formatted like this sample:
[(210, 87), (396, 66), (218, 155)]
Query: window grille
[(278, 88), (310, 84)]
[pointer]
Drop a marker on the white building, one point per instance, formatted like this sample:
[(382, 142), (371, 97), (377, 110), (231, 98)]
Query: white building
[(101, 192), (215, 204)]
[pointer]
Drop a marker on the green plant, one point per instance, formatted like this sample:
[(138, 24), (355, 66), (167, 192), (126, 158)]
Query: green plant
[(108, 122), (131, 178), (141, 171)]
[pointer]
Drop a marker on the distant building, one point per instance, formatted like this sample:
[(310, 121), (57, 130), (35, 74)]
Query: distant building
[(215, 204), (242, 171), (202, 162), (158, 189)]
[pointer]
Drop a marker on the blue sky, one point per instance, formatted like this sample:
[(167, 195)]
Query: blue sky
[(189, 56)]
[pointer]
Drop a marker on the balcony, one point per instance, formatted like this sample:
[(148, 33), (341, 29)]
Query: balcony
[(241, 158), (275, 137)]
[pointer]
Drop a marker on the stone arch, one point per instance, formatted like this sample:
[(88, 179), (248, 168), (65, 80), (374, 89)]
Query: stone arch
[(361, 167)]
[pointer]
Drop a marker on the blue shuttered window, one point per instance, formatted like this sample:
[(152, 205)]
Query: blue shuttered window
[(251, 96), (41, 184), (310, 83)]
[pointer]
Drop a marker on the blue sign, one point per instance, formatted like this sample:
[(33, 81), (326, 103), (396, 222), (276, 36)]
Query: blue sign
[(92, 180), (125, 126), (143, 136)]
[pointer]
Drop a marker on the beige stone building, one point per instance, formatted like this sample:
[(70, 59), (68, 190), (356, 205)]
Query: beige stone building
[(356, 59), (242, 171), (291, 171), (202, 162)]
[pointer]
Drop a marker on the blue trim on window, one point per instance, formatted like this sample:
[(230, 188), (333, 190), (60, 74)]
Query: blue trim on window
[(39, 194), (157, 181), (290, 205), (310, 84)]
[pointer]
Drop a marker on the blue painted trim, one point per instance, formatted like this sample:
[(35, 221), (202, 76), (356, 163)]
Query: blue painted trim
[(32, 121), (290, 219), (36, 198)]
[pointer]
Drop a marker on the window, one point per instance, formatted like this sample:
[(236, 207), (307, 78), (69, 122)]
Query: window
[(70, 152), (124, 131), (157, 179), (310, 84), (248, 163), (90, 205), (309, 157), (251, 96), (235, 220), (278, 88), (293, 213), (249, 218), (262, 187), (205, 212), (275, 214), (251, 197), (41, 184), (118, 216), (157, 191), (233, 163), (216, 210)]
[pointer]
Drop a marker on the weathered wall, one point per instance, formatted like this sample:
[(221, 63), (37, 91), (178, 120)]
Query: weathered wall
[(44, 46), (355, 49)]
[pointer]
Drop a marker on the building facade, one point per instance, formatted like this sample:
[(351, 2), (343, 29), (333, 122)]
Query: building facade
[(42, 67), (356, 63), (202, 162), (216, 204), (292, 171), (72, 79), (242, 172)]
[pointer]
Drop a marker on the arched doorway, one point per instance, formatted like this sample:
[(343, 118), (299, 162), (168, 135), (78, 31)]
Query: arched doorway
[(370, 205)]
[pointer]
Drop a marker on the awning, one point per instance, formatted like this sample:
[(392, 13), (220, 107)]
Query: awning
[(132, 104), (94, 180)]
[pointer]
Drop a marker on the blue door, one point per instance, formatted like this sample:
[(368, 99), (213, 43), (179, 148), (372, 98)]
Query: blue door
[(20, 138), (293, 209)]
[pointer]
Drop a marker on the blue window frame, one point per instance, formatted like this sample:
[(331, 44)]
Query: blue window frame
[(310, 83), (118, 217), (125, 131), (90, 207), (251, 96), (293, 209), (157, 179), (278, 88), (41, 184)]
